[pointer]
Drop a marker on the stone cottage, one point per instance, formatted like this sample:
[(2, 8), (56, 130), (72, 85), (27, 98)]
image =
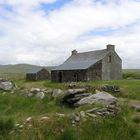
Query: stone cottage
[(38, 74), (89, 66)]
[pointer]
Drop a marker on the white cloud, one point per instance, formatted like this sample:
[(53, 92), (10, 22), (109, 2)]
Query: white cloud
[(33, 36)]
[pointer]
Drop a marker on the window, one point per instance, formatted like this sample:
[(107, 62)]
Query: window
[(109, 59)]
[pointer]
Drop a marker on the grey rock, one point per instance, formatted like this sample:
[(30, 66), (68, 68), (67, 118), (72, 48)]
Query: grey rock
[(136, 107), (77, 118), (110, 88), (47, 91), (57, 93), (40, 95), (92, 110), (30, 94), (82, 114), (74, 95), (99, 113), (72, 85), (98, 98), (37, 92), (7, 85), (92, 115), (74, 91)]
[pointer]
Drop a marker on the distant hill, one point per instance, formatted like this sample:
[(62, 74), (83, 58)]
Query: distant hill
[(24, 68), (19, 68)]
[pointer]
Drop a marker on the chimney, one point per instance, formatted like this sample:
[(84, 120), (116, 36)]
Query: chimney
[(110, 47), (74, 52)]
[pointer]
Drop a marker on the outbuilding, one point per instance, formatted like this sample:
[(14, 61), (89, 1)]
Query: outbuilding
[(38, 74)]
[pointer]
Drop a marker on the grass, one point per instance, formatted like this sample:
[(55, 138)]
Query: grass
[(131, 74), (16, 108)]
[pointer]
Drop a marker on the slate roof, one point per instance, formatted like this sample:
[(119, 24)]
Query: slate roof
[(82, 61), (35, 70)]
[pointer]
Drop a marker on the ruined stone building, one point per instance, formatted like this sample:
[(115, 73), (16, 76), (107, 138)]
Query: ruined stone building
[(38, 74), (89, 66)]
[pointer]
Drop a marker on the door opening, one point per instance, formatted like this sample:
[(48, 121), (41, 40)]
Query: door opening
[(76, 77), (60, 76)]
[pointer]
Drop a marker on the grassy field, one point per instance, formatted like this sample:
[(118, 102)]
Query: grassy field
[(131, 73), (16, 108)]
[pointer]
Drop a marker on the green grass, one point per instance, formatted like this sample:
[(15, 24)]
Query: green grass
[(131, 74), (16, 108)]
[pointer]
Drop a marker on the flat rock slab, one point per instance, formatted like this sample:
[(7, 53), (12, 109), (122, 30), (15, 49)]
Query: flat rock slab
[(98, 98), (75, 91), (74, 95)]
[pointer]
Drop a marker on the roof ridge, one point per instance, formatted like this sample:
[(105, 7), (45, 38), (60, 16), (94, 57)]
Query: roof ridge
[(92, 51)]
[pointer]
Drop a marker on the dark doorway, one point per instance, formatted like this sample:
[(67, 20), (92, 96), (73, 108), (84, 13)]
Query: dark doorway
[(76, 77), (60, 76)]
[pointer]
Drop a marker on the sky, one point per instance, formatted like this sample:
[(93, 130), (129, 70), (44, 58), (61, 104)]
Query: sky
[(44, 32)]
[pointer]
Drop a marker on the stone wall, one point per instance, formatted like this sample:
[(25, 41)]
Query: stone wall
[(43, 74), (95, 72), (111, 70), (68, 76), (31, 76)]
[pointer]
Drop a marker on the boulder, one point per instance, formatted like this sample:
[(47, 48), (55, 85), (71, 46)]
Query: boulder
[(57, 93), (35, 90), (7, 85), (72, 85), (47, 91), (74, 95), (82, 114), (98, 98), (40, 95)]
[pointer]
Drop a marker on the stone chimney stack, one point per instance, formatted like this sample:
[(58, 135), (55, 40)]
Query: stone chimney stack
[(74, 52), (110, 47)]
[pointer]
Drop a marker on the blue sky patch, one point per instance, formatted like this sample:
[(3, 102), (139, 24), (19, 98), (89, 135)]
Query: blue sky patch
[(7, 7), (52, 6), (101, 32)]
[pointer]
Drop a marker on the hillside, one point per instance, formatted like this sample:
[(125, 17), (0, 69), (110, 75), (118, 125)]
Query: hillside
[(19, 68), (17, 71)]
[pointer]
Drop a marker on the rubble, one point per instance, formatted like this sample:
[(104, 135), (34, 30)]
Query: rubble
[(110, 88), (95, 113), (37, 92)]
